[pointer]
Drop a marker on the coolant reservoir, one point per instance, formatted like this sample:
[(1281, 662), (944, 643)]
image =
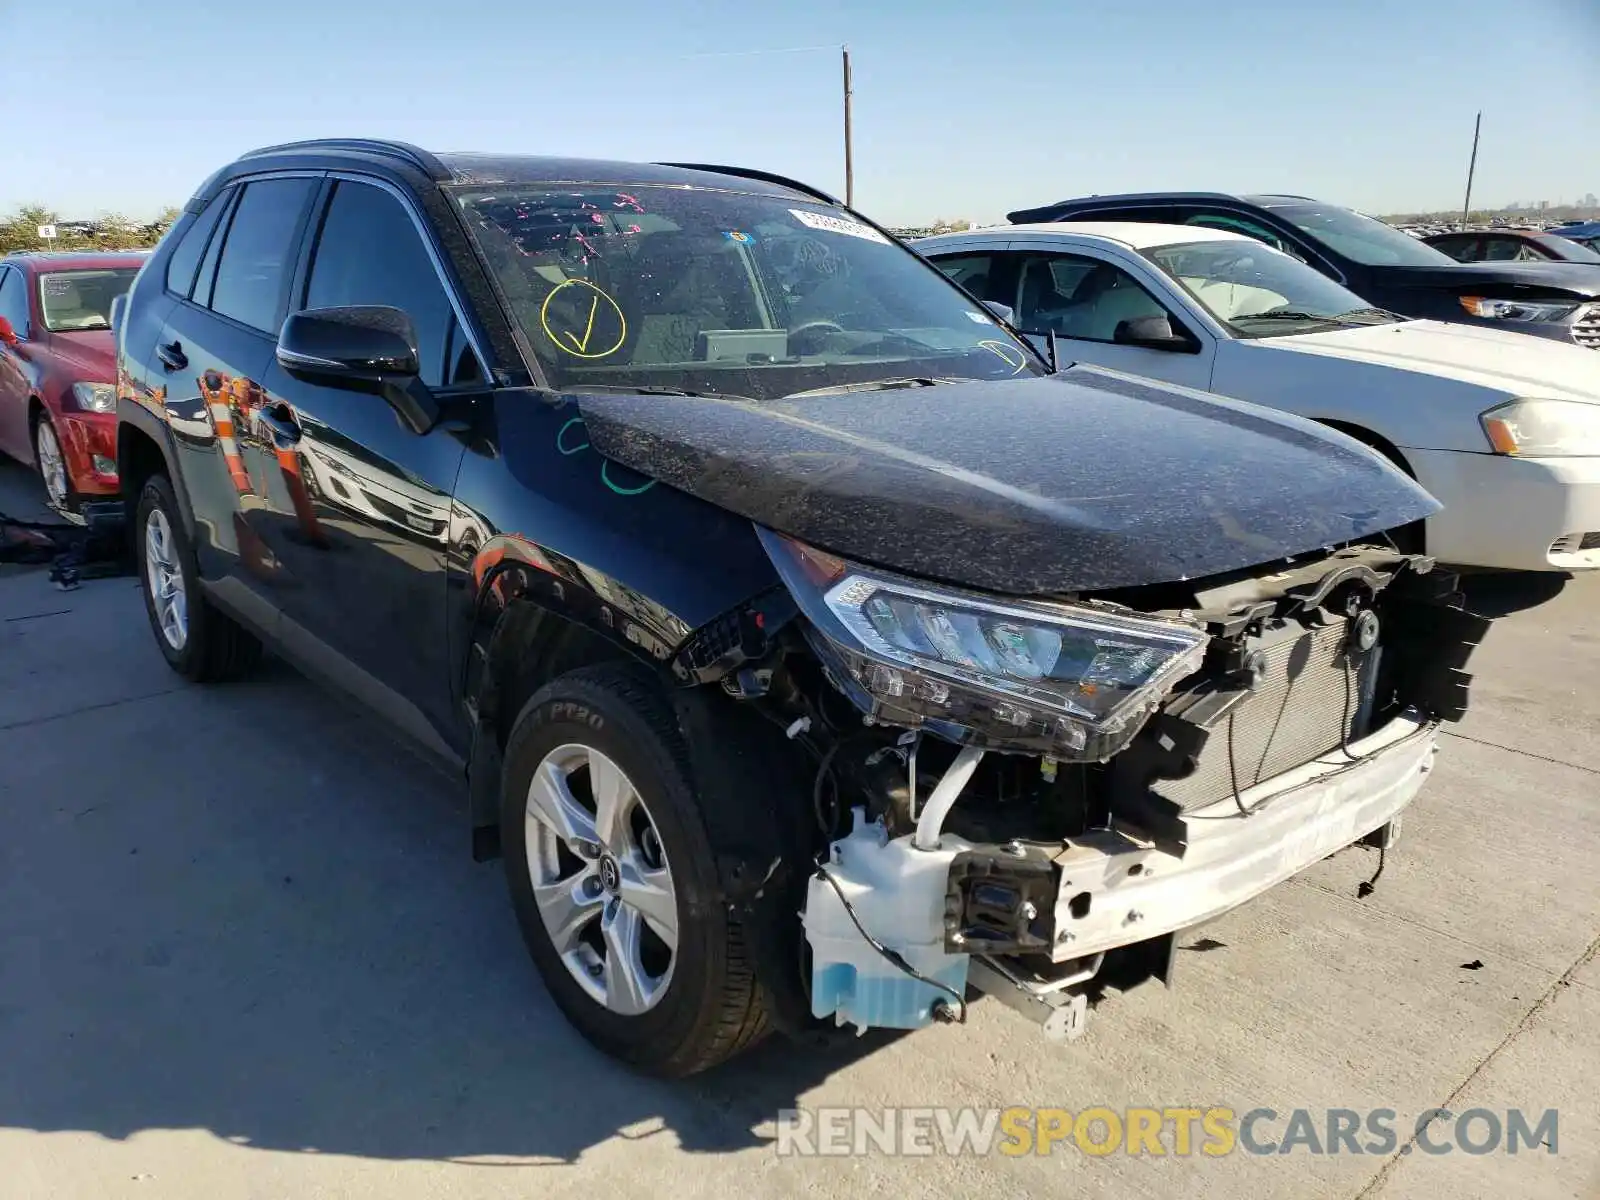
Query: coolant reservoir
[(897, 892)]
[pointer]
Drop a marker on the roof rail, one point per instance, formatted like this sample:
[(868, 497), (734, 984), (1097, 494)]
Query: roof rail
[(413, 155), (751, 173)]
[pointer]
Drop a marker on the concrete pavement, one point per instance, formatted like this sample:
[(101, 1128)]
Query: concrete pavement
[(244, 953)]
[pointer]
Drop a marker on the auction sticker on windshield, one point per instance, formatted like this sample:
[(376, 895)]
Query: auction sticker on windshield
[(816, 220)]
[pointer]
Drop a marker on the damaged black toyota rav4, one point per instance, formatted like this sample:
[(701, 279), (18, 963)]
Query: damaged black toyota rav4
[(816, 654)]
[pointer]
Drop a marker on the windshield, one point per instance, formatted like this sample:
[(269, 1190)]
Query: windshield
[(1575, 251), (75, 300), (712, 291), (1361, 239), (1260, 292)]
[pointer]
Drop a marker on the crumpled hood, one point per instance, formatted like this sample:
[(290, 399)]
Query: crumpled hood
[(92, 353), (1580, 279), (1513, 363), (1083, 481)]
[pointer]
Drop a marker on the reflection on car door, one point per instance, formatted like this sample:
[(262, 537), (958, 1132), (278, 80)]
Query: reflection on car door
[(368, 552), (213, 350), (1087, 301), (14, 434)]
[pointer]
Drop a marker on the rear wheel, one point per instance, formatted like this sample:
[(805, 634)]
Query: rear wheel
[(197, 640), (613, 881)]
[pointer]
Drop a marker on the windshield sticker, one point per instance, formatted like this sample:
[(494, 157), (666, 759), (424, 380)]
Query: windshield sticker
[(737, 235), (1009, 353), (828, 224), (585, 321)]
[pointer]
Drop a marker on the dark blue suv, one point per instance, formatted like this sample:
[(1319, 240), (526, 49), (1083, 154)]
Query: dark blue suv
[(723, 544)]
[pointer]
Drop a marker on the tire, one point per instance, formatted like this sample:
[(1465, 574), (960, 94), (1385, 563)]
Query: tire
[(49, 459), (210, 647), (707, 1006)]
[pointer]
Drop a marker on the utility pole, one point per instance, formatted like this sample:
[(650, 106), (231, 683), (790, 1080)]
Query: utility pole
[(1466, 205), (849, 154)]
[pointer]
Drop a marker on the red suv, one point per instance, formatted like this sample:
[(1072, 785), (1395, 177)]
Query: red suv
[(58, 402)]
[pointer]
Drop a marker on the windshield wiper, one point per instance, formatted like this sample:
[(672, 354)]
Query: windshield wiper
[(657, 389), (873, 385), (1286, 315), (1381, 313)]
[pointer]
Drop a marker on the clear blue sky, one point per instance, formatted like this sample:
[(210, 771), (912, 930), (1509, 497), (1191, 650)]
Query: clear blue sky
[(961, 109)]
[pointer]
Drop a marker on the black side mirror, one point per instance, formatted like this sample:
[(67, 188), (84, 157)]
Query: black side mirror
[(1153, 333), (368, 348), (119, 305)]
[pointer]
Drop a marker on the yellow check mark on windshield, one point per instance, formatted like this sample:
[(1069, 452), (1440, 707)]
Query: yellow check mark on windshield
[(582, 345)]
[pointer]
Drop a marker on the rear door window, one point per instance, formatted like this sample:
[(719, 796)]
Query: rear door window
[(972, 271), (258, 256)]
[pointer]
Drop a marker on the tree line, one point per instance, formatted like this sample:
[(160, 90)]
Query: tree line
[(20, 231)]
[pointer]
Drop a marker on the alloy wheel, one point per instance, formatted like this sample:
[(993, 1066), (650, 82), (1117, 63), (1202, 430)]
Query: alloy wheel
[(601, 880), (164, 578), (52, 463)]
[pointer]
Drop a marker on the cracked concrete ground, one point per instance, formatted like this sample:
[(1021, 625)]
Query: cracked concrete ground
[(244, 953)]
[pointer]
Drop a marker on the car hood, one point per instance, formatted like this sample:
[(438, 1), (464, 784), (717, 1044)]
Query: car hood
[(1513, 363), (1078, 482), (91, 354), (1580, 279)]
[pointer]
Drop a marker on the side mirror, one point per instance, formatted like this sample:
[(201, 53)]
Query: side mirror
[(1004, 311), (119, 305), (362, 348), (8, 335), (1152, 333)]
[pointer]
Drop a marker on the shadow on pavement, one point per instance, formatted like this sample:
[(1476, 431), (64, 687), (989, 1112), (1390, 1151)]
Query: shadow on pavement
[(1500, 594), (248, 910)]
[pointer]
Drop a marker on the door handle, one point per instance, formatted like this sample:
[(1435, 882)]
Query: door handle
[(172, 356), (278, 420)]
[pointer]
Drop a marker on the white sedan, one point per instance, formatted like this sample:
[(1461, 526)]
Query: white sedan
[(1502, 428)]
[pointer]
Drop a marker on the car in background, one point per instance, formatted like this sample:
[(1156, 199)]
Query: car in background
[(1504, 430), (1513, 245), (1585, 233), (1377, 262), (739, 527), (58, 404)]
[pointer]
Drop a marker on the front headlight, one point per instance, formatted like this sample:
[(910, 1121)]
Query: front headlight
[(1544, 311), (1069, 680), (95, 397), (1544, 428)]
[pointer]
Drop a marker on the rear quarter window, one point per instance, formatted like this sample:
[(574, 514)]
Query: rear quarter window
[(192, 244)]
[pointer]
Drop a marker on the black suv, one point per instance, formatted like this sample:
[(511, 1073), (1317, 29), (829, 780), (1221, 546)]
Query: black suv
[(1377, 262), (725, 545)]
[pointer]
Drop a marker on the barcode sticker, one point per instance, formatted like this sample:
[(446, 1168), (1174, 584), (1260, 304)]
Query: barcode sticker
[(816, 220)]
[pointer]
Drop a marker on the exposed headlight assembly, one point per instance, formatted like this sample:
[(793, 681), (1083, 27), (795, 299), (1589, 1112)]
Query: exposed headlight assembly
[(95, 397), (1543, 311), (1544, 428), (1068, 680)]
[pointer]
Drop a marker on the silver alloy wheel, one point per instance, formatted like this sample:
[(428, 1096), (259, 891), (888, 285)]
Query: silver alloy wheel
[(52, 464), (601, 879), (164, 578)]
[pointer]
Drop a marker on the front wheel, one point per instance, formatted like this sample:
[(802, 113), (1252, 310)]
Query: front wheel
[(612, 877), (197, 640), (52, 464)]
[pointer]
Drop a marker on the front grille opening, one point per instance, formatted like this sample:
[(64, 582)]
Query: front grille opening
[(1312, 699), (1590, 541), (1586, 329)]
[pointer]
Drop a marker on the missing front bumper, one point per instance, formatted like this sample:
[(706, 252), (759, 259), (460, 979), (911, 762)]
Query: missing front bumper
[(1117, 888)]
